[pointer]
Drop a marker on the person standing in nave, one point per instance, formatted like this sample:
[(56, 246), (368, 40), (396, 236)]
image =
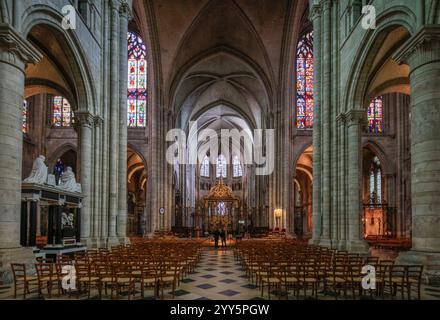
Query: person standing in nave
[(223, 237), (216, 237), (58, 170)]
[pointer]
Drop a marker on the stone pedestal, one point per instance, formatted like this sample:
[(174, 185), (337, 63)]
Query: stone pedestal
[(14, 255), (422, 54)]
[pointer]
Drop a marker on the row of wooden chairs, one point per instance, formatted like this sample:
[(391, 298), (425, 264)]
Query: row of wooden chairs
[(123, 270), (293, 266)]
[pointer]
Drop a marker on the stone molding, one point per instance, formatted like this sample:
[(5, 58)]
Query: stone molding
[(98, 121), (315, 12), (85, 119), (125, 10), (15, 49), (422, 48), (356, 117)]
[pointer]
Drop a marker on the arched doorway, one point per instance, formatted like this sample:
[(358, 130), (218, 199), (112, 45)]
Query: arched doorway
[(303, 186), (137, 223)]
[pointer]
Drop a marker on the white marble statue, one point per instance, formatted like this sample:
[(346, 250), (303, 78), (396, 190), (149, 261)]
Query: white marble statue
[(68, 181), (67, 220), (39, 172)]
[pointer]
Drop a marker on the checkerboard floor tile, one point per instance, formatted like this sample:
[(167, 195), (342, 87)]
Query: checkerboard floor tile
[(220, 278)]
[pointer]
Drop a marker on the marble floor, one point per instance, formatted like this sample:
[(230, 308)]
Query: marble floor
[(218, 276)]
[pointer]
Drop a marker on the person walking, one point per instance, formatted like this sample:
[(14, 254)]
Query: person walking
[(223, 237), (216, 237)]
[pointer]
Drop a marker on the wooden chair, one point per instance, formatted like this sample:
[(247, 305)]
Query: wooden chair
[(149, 279), (122, 278), (168, 275), (46, 278), (414, 278), (308, 278), (290, 279), (337, 279), (398, 280), (271, 275), (22, 279), (86, 278)]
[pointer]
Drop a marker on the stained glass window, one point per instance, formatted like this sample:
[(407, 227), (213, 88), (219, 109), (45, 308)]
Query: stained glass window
[(237, 168), (221, 167), (25, 124), (375, 116), (375, 186), (304, 82), (137, 81), (62, 115), (204, 168)]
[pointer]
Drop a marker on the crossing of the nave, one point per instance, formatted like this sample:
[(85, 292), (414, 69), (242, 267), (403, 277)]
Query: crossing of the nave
[(139, 134)]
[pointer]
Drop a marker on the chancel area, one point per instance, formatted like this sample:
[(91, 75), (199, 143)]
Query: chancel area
[(220, 149)]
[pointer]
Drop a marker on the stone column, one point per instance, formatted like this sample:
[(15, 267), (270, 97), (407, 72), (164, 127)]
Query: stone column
[(355, 121), (317, 217), (114, 122), (98, 188), (15, 52), (122, 172), (342, 213), (422, 54), (85, 122), (325, 115)]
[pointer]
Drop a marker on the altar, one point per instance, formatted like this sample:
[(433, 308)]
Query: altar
[(221, 210)]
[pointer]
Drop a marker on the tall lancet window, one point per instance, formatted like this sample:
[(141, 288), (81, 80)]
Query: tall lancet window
[(204, 168), (375, 182), (237, 168), (375, 116), (304, 82), (221, 167), (137, 81), (25, 113)]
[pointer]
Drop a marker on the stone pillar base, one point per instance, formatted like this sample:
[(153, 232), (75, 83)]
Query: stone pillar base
[(14, 255), (103, 243), (430, 261), (341, 245), (124, 240), (358, 246), (88, 242), (325, 243), (95, 243), (314, 242), (111, 242)]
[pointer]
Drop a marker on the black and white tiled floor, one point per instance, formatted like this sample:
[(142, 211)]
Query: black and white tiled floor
[(218, 277)]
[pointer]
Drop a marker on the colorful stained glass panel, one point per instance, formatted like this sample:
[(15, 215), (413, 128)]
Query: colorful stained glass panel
[(137, 81), (304, 82)]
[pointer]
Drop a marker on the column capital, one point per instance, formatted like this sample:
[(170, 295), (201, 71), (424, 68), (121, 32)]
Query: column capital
[(125, 10), (98, 121), (114, 4), (315, 12), (421, 48), (326, 4), (15, 49), (85, 119), (356, 117), (341, 118)]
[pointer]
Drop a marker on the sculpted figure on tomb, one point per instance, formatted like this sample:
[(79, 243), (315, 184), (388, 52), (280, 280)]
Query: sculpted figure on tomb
[(68, 181), (39, 172)]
